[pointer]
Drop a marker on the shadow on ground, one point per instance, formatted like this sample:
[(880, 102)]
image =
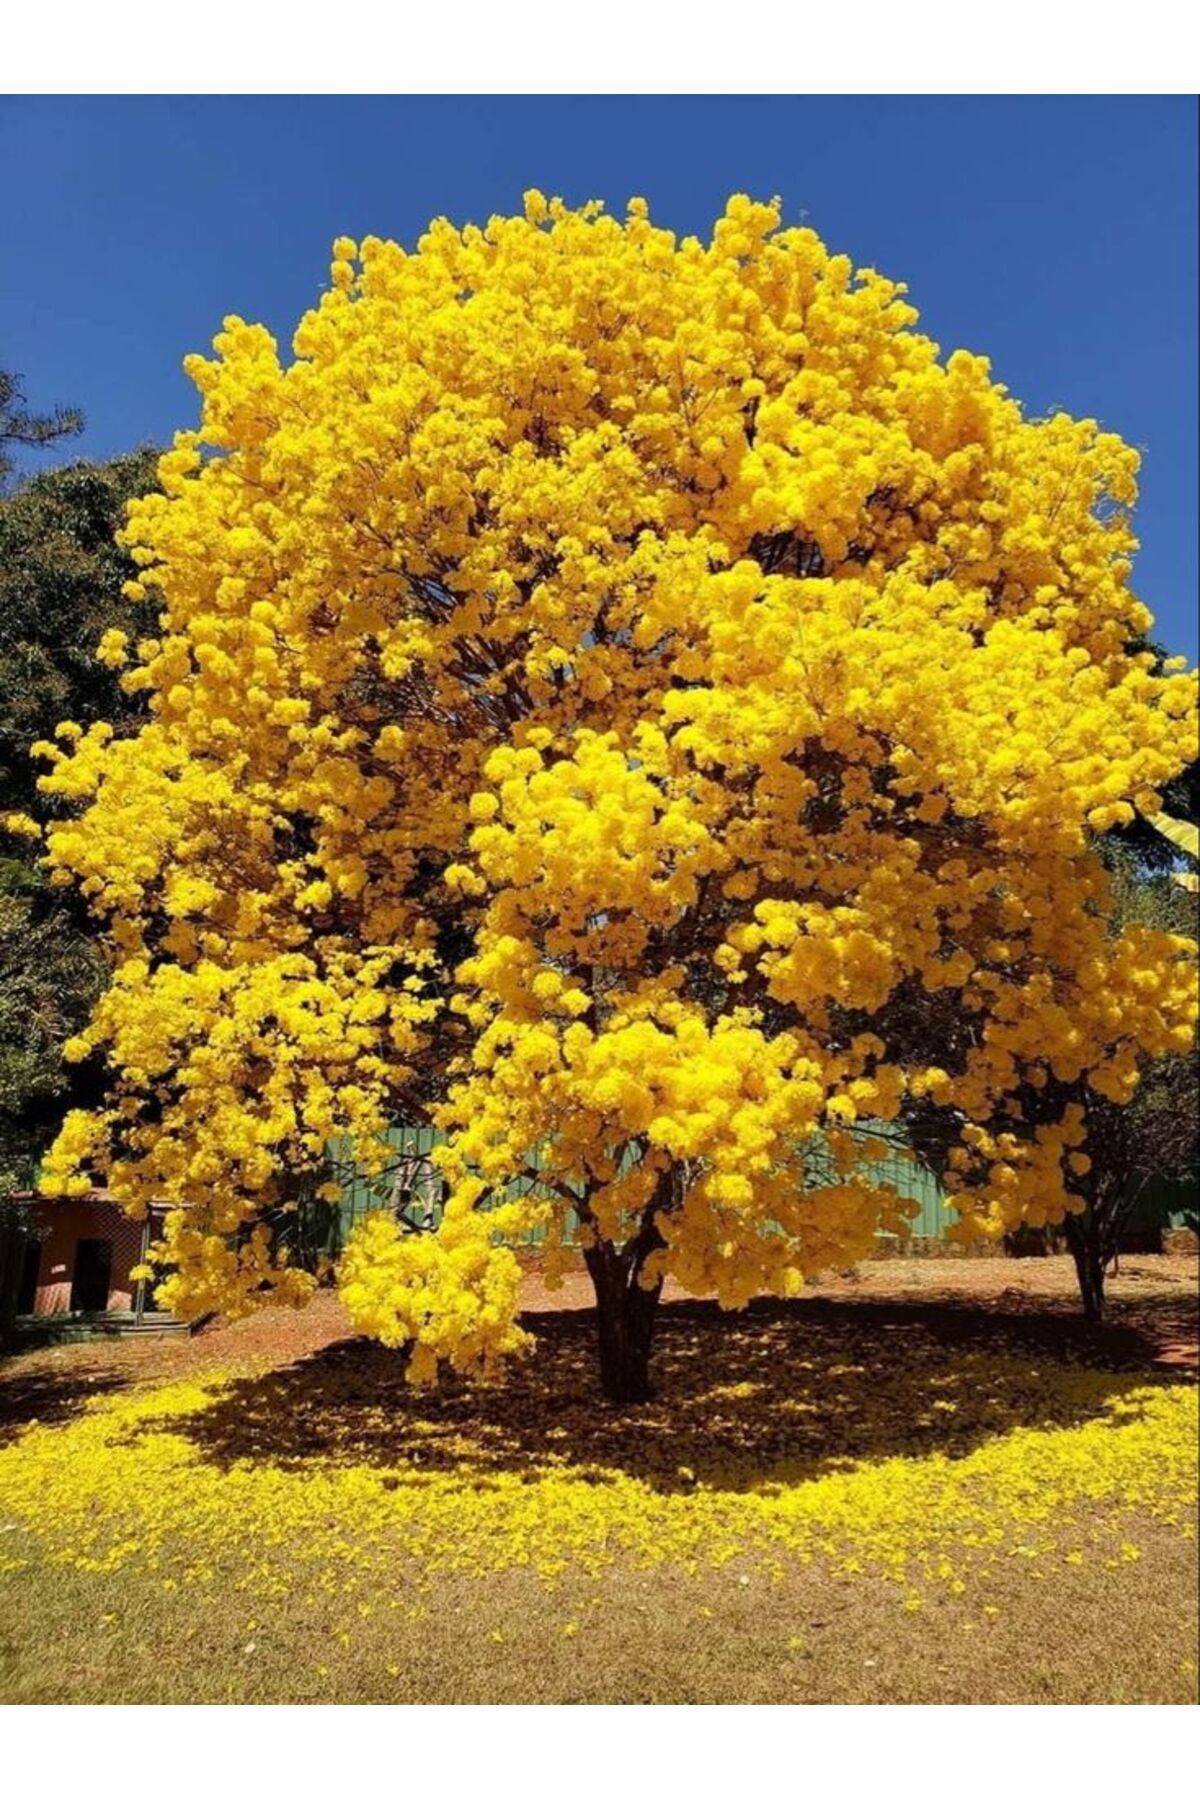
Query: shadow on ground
[(782, 1391), (49, 1398)]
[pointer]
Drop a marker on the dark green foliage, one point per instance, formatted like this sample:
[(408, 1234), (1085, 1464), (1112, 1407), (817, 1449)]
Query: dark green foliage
[(61, 575), (51, 974)]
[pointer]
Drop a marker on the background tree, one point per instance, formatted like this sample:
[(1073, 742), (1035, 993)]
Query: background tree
[(626, 701), (34, 431), (61, 575), (1150, 1142), (1155, 1138), (51, 975), (61, 579)]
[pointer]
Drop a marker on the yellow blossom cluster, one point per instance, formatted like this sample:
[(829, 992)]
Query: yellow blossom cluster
[(452, 1294), (629, 700)]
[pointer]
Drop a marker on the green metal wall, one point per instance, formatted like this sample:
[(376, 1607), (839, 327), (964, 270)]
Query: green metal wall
[(410, 1183), (411, 1174)]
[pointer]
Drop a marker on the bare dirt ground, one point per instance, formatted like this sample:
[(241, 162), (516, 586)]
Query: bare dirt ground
[(1153, 1322)]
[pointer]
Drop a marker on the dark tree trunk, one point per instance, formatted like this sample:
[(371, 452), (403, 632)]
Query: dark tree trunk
[(1094, 1235), (1086, 1239), (1089, 1269), (625, 1312)]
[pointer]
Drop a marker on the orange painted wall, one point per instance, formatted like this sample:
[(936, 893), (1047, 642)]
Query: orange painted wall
[(63, 1223)]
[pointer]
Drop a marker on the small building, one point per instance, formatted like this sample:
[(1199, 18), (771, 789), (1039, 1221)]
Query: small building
[(77, 1266)]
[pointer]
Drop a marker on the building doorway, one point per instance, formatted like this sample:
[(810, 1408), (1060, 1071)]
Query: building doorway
[(93, 1275)]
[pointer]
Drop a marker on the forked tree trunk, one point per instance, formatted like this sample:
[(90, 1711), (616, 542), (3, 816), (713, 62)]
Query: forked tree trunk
[(1090, 1271), (625, 1311), (1086, 1240)]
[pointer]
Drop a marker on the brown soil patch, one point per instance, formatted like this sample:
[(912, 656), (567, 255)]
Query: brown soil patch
[(1153, 1322)]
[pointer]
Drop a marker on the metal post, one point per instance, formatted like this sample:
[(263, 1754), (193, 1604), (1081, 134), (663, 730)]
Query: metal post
[(139, 1299)]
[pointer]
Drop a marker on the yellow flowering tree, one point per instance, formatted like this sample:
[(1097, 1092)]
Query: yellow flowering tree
[(1135, 1144), (627, 701)]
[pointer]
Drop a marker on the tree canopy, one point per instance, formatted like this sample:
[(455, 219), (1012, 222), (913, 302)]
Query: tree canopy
[(627, 700)]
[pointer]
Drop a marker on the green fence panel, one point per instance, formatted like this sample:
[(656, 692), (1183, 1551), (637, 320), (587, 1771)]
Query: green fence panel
[(411, 1186)]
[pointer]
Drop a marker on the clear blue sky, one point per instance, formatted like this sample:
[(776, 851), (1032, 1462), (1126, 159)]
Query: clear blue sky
[(1057, 236)]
